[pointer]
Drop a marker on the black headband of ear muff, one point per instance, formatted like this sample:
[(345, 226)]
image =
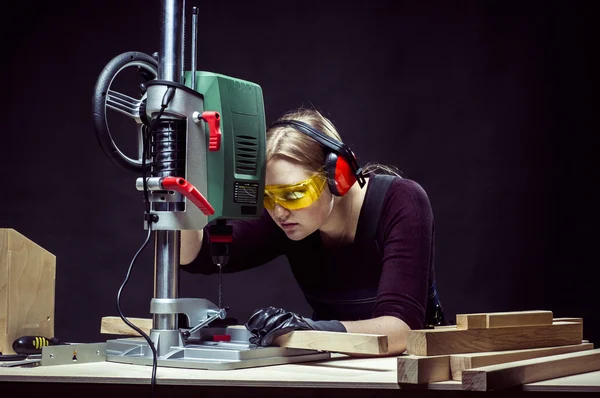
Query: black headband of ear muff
[(338, 147)]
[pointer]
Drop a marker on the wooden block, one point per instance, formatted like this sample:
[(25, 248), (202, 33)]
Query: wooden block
[(27, 283), (503, 319), (420, 370), (513, 374), (471, 321), (461, 362), (428, 342), (115, 325), (345, 343)]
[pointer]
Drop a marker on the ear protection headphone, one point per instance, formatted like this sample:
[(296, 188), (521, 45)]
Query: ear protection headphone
[(341, 166)]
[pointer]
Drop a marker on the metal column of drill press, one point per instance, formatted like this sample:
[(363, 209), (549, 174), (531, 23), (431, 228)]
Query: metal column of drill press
[(207, 162)]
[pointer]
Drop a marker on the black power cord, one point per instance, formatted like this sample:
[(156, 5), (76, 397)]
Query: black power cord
[(131, 325), (150, 218)]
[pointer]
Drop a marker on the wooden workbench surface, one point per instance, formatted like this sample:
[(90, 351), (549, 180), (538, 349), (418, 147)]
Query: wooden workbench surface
[(339, 372)]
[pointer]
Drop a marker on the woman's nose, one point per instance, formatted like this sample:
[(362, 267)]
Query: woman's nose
[(280, 211)]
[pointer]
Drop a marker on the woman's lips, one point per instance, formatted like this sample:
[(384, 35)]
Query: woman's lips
[(288, 225)]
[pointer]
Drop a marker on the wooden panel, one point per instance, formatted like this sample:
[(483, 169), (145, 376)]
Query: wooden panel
[(115, 325), (4, 264), (420, 370), (345, 343), (461, 362), (513, 374), (503, 319), (27, 284), (427, 342)]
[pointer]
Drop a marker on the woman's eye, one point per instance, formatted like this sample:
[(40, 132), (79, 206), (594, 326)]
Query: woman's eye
[(294, 195)]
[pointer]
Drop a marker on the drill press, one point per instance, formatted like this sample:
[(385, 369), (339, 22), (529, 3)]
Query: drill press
[(202, 136)]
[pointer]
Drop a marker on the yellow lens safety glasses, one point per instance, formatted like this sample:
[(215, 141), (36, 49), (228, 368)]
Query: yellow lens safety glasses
[(296, 196)]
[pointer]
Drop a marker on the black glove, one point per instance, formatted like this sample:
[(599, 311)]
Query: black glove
[(269, 323)]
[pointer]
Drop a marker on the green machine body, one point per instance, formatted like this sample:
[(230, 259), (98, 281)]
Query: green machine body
[(236, 172)]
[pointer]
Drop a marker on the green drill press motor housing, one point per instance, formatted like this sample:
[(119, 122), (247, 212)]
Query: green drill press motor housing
[(237, 170)]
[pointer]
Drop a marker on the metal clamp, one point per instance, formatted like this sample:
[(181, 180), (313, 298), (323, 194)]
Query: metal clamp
[(212, 315)]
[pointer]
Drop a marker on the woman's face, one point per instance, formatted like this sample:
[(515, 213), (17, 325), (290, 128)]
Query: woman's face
[(297, 224)]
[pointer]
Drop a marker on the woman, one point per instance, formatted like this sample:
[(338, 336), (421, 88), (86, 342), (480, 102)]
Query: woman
[(360, 243)]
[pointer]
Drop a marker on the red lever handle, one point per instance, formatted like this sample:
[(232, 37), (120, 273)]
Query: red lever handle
[(189, 191), (214, 126)]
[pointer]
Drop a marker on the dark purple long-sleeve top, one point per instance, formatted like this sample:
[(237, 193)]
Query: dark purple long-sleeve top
[(384, 272)]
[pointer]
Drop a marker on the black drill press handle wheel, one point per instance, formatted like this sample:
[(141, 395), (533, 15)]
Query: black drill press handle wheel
[(105, 98)]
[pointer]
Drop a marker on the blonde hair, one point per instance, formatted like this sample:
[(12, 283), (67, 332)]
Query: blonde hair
[(286, 141)]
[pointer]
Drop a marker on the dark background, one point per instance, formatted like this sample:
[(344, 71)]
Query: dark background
[(487, 104)]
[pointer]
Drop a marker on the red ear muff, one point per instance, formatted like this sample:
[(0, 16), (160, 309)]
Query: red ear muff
[(340, 176), (341, 166)]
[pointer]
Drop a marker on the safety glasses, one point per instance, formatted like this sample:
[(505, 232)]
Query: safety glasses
[(296, 196)]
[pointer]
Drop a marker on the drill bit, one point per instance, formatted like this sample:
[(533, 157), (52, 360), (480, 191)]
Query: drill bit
[(220, 285)]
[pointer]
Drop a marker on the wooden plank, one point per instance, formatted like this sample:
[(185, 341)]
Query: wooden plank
[(579, 320), (496, 377), (445, 327), (471, 321), (461, 362), (115, 325), (428, 342), (521, 318), (503, 319), (345, 343), (27, 289), (421, 370)]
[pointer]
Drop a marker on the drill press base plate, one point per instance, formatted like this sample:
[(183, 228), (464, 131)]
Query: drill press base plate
[(208, 355)]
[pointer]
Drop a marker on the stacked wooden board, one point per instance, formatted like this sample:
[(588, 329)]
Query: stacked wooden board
[(491, 351)]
